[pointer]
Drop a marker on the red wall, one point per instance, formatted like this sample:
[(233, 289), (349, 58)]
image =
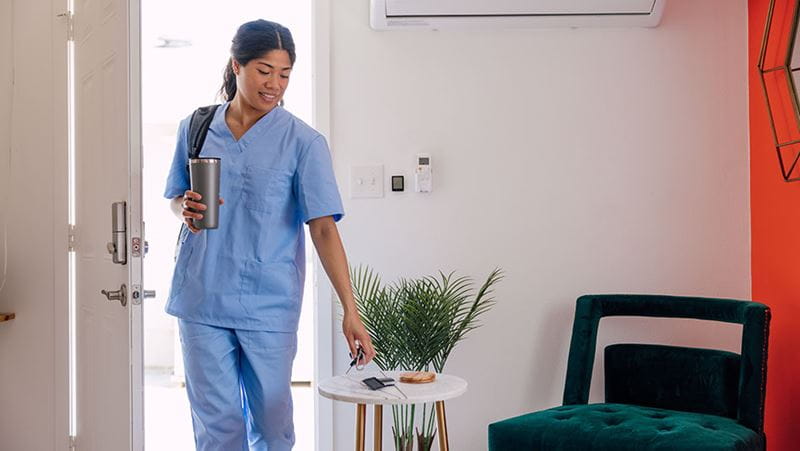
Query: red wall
[(775, 222)]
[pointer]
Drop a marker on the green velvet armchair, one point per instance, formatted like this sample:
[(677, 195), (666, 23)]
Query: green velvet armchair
[(657, 397)]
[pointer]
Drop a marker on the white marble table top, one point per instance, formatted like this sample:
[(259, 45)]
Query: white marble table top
[(349, 388)]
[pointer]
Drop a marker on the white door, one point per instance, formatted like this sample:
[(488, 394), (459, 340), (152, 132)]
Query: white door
[(108, 352)]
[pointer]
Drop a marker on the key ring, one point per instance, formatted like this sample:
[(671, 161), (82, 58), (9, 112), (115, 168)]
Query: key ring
[(358, 358)]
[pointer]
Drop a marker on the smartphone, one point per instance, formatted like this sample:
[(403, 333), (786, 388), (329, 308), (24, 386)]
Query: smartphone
[(373, 383)]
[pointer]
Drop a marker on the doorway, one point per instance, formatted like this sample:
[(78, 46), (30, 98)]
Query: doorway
[(185, 45)]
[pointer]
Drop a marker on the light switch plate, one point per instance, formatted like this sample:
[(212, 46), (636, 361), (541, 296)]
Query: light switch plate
[(366, 181)]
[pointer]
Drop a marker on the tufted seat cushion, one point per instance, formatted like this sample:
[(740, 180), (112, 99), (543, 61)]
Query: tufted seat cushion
[(620, 427)]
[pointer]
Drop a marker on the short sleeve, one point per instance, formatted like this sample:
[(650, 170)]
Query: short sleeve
[(178, 178), (315, 183)]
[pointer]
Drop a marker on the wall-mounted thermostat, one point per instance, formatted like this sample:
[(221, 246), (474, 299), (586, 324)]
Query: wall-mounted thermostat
[(398, 183), (422, 174)]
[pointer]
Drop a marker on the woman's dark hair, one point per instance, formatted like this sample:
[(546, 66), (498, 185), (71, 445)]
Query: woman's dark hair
[(253, 40)]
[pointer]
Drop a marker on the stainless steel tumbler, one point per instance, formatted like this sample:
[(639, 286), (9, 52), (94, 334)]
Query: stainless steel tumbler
[(204, 176)]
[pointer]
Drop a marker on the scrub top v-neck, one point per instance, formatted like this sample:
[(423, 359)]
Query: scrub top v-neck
[(249, 272)]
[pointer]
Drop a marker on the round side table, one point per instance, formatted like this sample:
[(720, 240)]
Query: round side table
[(350, 389)]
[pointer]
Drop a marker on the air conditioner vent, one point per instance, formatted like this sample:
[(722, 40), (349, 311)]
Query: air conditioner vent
[(388, 14)]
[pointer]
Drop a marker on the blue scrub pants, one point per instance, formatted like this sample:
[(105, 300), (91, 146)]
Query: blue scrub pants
[(239, 387)]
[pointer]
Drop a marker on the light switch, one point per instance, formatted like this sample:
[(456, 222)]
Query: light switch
[(366, 181)]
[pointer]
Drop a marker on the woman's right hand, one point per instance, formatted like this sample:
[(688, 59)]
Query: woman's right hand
[(191, 208)]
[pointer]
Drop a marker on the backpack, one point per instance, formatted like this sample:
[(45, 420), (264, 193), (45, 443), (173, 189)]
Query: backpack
[(198, 129)]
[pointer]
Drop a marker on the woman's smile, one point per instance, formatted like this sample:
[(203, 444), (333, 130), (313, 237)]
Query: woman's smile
[(268, 97)]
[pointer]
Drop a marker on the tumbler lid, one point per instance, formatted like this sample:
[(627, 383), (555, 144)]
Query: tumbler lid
[(205, 160)]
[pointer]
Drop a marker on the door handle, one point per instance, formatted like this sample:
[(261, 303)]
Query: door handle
[(120, 295)]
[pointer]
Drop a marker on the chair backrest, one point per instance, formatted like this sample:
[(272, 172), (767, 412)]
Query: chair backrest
[(746, 373), (672, 377)]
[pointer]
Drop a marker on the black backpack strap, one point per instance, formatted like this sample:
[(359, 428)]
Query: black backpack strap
[(198, 128)]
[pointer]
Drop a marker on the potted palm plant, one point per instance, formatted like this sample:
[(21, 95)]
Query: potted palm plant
[(414, 325)]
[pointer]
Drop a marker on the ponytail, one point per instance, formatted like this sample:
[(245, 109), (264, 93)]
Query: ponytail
[(228, 90)]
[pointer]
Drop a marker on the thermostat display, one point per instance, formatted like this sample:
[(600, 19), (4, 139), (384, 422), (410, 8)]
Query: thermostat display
[(398, 183)]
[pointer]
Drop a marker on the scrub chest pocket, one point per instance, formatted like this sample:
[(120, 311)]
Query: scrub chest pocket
[(265, 189)]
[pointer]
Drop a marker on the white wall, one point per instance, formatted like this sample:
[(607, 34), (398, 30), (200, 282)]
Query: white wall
[(580, 161), (32, 170)]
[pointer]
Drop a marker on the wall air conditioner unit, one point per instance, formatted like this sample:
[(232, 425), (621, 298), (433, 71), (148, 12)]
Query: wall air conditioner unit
[(460, 14)]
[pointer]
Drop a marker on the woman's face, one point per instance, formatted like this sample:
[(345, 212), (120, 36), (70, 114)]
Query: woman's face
[(262, 81)]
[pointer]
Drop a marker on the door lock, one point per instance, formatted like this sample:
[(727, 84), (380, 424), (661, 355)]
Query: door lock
[(118, 247), (120, 295)]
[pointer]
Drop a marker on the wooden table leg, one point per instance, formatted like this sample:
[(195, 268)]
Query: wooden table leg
[(441, 422), (361, 421), (377, 444)]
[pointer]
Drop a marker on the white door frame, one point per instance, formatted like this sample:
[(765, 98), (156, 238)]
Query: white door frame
[(59, 26), (323, 296), (135, 197)]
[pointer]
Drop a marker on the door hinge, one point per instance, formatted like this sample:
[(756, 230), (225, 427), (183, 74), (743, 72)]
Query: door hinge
[(72, 446), (70, 18), (71, 237)]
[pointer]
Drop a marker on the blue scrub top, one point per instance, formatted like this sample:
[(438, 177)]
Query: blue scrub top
[(249, 273)]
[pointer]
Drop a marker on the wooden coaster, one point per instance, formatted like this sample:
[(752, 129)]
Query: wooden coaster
[(7, 316), (417, 377)]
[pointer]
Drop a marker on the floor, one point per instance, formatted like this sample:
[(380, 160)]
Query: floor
[(168, 423)]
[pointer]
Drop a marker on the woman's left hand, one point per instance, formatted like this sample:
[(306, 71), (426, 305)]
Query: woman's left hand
[(354, 331)]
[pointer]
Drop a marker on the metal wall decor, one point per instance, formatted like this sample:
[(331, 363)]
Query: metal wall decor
[(779, 69)]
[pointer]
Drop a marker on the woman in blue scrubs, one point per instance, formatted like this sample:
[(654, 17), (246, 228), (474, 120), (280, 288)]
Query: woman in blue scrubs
[(237, 290)]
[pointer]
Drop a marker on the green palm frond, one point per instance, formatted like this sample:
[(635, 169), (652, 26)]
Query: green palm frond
[(416, 323)]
